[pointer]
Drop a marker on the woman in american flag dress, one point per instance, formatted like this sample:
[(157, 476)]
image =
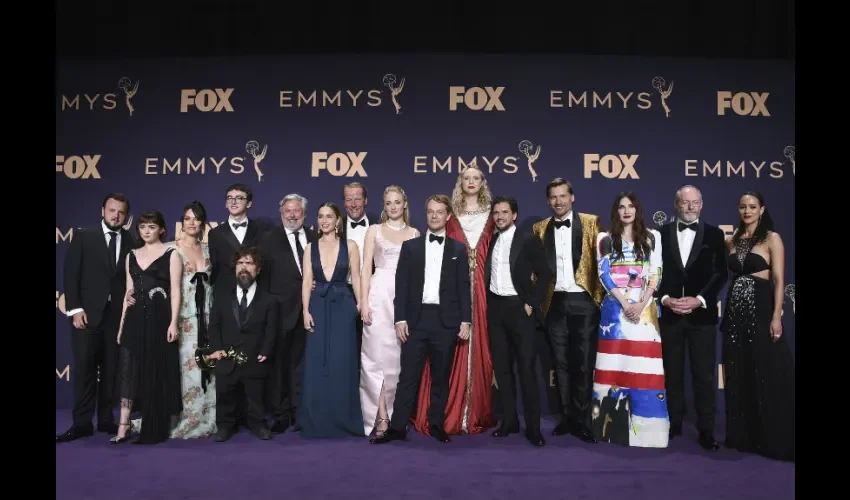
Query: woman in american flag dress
[(629, 398)]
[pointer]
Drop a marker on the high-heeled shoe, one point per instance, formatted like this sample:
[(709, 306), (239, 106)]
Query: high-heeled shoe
[(127, 435), (381, 433)]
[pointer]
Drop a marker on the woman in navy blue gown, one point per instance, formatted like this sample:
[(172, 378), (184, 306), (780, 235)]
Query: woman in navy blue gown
[(330, 396)]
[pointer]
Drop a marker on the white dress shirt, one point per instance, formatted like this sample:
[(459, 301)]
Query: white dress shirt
[(106, 237), (252, 290), (565, 280), (686, 244), (238, 232), (433, 267), (358, 235), (302, 237), (501, 282)]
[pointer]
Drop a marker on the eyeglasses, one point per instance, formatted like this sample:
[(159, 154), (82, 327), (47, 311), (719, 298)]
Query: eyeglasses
[(236, 198)]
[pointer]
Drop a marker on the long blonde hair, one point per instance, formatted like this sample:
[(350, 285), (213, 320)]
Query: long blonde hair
[(484, 196), (396, 189)]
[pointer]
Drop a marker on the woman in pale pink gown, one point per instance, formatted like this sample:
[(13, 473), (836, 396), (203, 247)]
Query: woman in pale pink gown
[(381, 350)]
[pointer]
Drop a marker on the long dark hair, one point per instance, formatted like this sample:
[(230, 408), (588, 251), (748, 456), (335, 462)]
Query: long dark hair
[(764, 225), (640, 233), (337, 212)]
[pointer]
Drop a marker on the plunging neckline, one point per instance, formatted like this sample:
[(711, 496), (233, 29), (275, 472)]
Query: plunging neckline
[(336, 260), (151, 262)]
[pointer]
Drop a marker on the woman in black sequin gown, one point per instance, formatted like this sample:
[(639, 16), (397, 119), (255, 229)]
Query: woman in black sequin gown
[(149, 363), (758, 363)]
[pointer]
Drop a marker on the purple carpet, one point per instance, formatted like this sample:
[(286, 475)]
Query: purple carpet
[(471, 467)]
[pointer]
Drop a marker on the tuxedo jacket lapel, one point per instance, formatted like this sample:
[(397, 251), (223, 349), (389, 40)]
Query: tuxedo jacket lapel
[(445, 273), (674, 244), (250, 234), (697, 246), (549, 245), (235, 304), (230, 237)]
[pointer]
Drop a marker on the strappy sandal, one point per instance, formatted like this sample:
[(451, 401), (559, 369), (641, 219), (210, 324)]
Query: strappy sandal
[(379, 434), (119, 440)]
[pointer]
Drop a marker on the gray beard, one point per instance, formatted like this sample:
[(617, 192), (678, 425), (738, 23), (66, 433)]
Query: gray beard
[(245, 280)]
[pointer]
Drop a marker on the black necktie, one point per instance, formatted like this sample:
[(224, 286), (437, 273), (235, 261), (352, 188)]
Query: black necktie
[(562, 223), (692, 226), (298, 247), (434, 237), (243, 305), (362, 222), (113, 245), (240, 224)]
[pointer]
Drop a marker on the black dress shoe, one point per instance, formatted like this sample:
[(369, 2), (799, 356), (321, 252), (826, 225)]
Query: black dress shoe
[(439, 434), (505, 430), (223, 434), (390, 435), (534, 437), (708, 442), (675, 430), (262, 433), (108, 428), (562, 429), (585, 435), (75, 433), (279, 427)]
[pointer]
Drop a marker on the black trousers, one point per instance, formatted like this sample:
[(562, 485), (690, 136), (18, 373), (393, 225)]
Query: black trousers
[(512, 335), (239, 396), (284, 385), (429, 339), (95, 351), (572, 326), (700, 341)]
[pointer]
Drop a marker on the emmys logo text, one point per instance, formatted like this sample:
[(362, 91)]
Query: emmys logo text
[(187, 166), (66, 236), (452, 165), (476, 98), (344, 97), (108, 101), (729, 169), (743, 103), (205, 100), (611, 166), (78, 167), (60, 302), (641, 100), (339, 164), (64, 374)]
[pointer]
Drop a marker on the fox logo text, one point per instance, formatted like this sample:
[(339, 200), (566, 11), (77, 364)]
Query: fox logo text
[(78, 167), (611, 166), (743, 103), (214, 100), (477, 98), (339, 164)]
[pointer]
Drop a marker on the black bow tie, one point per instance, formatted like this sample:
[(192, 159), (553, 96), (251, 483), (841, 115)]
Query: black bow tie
[(434, 237), (361, 223), (241, 224), (692, 226), (562, 223)]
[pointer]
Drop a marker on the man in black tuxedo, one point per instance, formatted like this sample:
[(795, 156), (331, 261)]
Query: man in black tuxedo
[(95, 283), (245, 317), (694, 256), (282, 249), (354, 227), (225, 239), (513, 306), (432, 310)]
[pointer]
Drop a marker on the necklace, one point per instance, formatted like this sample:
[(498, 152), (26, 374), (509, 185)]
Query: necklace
[(402, 228)]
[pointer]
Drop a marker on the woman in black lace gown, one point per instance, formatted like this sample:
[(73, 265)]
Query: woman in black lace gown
[(149, 363), (758, 363)]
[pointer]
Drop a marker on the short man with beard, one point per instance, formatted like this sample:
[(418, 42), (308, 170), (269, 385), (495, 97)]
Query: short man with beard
[(694, 255), (245, 317), (95, 283)]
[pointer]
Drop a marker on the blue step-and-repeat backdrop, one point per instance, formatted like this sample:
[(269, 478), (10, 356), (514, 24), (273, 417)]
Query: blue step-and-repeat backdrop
[(168, 131)]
